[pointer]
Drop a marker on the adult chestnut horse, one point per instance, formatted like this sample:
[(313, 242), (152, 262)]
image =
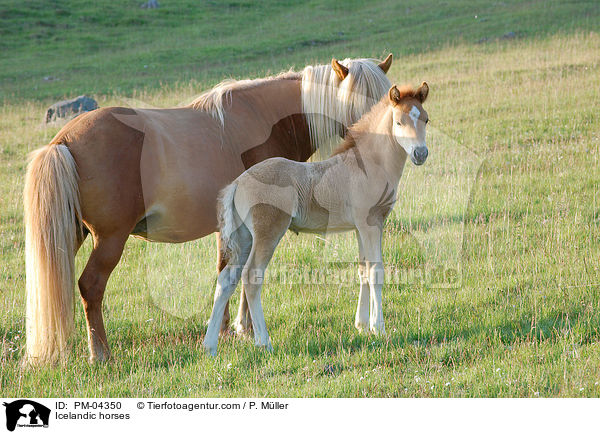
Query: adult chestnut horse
[(156, 174)]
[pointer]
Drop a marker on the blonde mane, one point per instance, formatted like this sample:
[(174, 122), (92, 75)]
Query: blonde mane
[(365, 125), (331, 105), (212, 101)]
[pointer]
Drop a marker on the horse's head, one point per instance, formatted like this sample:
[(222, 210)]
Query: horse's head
[(361, 84), (336, 96), (342, 70), (409, 120)]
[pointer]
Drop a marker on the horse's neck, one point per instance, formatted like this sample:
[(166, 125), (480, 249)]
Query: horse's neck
[(378, 146), (267, 120)]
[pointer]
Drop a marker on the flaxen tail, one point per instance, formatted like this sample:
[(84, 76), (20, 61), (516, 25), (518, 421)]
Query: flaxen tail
[(52, 219), (229, 222)]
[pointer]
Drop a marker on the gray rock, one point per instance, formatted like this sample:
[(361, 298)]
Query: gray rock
[(509, 35), (150, 4), (70, 108)]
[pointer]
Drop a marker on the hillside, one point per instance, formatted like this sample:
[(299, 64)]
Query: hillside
[(107, 47)]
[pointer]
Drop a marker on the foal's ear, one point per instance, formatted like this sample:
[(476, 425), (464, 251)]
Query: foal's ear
[(394, 94), (385, 65), (340, 70), (422, 92)]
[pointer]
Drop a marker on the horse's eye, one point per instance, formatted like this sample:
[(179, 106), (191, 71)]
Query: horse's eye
[(398, 123), (427, 121)]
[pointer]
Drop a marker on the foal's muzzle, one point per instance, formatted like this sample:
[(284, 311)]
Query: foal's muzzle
[(419, 155)]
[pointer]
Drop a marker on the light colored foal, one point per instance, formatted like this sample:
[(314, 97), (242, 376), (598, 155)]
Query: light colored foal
[(354, 189)]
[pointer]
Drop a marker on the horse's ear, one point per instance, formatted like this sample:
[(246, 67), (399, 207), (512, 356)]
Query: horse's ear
[(385, 65), (340, 70), (394, 94), (422, 92)]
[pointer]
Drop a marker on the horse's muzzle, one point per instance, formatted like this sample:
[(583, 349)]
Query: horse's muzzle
[(419, 155)]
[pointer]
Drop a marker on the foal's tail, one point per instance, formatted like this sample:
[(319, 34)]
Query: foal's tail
[(52, 218), (229, 222)]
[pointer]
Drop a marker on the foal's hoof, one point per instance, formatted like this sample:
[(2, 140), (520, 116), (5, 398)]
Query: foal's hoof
[(211, 350), (268, 347), (362, 328), (242, 331), (378, 331)]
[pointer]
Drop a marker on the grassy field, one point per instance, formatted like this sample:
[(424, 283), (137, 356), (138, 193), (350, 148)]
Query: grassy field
[(522, 224)]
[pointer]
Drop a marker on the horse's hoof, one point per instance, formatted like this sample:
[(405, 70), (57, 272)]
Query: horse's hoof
[(98, 360), (268, 347), (242, 330), (210, 350), (362, 328), (99, 356), (225, 332), (378, 331)]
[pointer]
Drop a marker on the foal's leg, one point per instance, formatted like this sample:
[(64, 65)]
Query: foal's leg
[(221, 263), (269, 225), (226, 283), (243, 321), (371, 239), (92, 283), (361, 321)]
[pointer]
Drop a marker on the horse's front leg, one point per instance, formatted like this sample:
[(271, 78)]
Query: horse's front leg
[(361, 320), (370, 237)]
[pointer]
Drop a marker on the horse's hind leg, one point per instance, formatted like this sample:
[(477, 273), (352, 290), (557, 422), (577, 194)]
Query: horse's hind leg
[(243, 322), (269, 225), (226, 283), (221, 264), (92, 283)]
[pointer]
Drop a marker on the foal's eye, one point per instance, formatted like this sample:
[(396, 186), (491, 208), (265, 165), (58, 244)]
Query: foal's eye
[(427, 121), (398, 123)]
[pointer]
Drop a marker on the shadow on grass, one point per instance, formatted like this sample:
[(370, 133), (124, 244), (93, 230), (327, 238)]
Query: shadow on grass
[(505, 333)]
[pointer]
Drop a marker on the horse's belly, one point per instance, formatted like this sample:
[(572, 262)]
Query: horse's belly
[(180, 190), (321, 222), (181, 212), (176, 224)]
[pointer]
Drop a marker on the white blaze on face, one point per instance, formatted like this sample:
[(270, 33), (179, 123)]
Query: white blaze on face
[(414, 115)]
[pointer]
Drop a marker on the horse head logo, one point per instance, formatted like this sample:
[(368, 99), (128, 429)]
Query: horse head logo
[(25, 412)]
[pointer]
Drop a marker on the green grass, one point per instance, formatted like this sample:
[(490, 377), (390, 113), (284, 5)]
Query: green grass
[(525, 320)]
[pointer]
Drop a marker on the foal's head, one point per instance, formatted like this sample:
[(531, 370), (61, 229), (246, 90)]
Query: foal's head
[(409, 120)]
